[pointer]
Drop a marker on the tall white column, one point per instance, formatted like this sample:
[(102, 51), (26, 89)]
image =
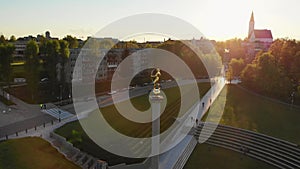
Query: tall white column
[(155, 100)]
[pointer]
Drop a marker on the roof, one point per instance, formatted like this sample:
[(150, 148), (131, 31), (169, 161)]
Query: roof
[(263, 33)]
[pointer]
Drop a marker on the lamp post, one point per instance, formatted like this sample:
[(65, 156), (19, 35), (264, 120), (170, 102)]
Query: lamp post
[(60, 86), (59, 112), (292, 98)]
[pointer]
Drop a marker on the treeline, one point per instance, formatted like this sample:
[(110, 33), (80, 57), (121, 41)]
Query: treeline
[(43, 58), (274, 73), (6, 54)]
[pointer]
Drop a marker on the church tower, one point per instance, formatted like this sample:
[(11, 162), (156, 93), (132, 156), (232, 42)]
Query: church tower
[(251, 25)]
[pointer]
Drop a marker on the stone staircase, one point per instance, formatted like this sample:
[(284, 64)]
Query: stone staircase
[(276, 152)]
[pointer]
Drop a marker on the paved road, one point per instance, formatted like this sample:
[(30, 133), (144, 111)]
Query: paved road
[(25, 124), (22, 116)]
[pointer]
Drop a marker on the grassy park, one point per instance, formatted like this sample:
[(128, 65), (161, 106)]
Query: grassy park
[(211, 157), (126, 127), (31, 153), (252, 112)]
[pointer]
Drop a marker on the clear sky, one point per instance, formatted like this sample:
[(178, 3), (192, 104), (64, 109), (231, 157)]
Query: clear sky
[(216, 19)]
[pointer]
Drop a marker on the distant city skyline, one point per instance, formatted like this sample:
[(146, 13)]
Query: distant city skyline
[(216, 19)]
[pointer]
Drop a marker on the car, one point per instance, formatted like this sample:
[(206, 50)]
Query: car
[(131, 87), (112, 92), (44, 80), (89, 98)]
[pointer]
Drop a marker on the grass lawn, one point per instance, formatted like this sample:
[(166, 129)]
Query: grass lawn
[(127, 127), (32, 153), (248, 111), (206, 156)]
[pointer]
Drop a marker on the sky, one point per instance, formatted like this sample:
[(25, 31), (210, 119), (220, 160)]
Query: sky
[(216, 19)]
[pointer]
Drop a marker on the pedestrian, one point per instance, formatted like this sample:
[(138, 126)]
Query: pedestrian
[(202, 104), (197, 122)]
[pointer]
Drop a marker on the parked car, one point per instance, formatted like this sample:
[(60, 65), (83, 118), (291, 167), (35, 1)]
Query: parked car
[(112, 92)]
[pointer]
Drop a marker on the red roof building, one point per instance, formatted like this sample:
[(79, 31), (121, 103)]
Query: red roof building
[(258, 39)]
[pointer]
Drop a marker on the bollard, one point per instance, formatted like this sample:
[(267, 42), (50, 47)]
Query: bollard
[(16, 133)]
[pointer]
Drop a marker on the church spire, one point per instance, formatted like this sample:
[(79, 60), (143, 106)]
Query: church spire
[(251, 25), (252, 17)]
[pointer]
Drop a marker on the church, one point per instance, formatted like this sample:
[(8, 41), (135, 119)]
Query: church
[(258, 39)]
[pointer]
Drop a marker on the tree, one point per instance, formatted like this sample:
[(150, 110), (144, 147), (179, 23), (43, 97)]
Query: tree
[(264, 76), (249, 76), (31, 67), (2, 39), (12, 38), (73, 41), (229, 74), (287, 56), (6, 54), (64, 54), (237, 65), (50, 52)]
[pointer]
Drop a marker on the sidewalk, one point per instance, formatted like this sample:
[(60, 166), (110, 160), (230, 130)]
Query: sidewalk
[(18, 112), (41, 131)]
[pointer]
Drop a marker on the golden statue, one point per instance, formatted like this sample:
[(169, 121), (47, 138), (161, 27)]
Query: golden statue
[(156, 85)]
